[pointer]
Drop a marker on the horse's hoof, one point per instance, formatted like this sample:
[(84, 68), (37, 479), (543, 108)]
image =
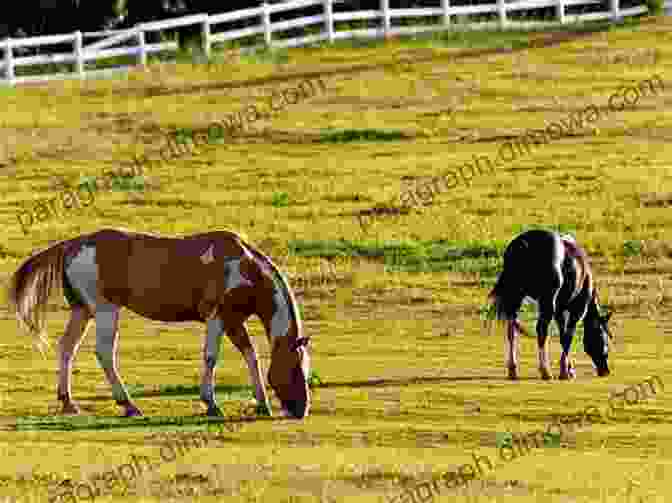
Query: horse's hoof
[(567, 374), (545, 374), (214, 411), (70, 409), (263, 409), (513, 374), (132, 411)]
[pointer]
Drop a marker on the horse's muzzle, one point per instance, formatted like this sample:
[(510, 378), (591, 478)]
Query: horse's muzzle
[(297, 408)]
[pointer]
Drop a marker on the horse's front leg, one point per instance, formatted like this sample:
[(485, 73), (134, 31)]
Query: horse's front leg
[(241, 339), (107, 337), (567, 370), (68, 346)]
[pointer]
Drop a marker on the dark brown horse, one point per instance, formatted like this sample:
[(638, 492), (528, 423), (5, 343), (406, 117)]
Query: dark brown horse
[(215, 278), (553, 271)]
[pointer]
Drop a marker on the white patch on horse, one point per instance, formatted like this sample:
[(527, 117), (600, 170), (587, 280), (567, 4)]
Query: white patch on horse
[(530, 300), (235, 278), (280, 320), (83, 275), (208, 256)]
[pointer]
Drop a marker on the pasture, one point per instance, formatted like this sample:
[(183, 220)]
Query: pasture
[(411, 378)]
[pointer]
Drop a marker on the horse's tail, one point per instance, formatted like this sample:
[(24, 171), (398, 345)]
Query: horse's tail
[(507, 294), (500, 297), (31, 285)]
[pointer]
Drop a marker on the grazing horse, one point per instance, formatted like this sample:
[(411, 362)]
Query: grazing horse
[(214, 277), (553, 271)]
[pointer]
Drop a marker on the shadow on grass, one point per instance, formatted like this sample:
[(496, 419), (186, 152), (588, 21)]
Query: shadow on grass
[(372, 383), (89, 423), (225, 393)]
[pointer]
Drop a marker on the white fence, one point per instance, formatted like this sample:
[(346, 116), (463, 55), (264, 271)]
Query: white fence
[(102, 49)]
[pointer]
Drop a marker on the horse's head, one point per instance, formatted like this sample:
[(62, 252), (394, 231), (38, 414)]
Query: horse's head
[(596, 340), (288, 374)]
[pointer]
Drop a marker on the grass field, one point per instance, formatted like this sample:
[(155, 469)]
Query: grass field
[(412, 378)]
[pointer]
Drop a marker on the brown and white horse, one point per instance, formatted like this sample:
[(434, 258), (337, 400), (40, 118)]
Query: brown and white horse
[(214, 277), (553, 271)]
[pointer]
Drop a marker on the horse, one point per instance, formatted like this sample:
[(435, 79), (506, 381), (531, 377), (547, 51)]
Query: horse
[(553, 271), (215, 277)]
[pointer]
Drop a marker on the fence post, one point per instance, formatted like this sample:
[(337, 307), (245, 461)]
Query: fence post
[(205, 34), (445, 5), (615, 11), (79, 54), (142, 54), (329, 19), (385, 11), (266, 20), (9, 63), (560, 11), (501, 9)]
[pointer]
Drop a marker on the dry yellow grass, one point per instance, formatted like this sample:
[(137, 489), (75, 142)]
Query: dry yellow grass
[(414, 381)]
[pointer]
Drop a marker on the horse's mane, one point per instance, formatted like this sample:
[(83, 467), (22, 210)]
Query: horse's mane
[(577, 252), (572, 246), (279, 280)]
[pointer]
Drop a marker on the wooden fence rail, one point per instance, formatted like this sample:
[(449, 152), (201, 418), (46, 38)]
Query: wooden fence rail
[(100, 50)]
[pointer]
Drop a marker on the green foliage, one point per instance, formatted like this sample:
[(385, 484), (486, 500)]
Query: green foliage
[(656, 7)]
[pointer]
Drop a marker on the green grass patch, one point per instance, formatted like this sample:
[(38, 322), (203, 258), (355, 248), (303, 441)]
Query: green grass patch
[(505, 439), (354, 135), (632, 248), (120, 183), (280, 200), (411, 256), (274, 56)]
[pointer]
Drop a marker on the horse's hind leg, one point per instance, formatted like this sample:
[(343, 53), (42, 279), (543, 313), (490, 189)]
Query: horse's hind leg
[(512, 348), (107, 336), (68, 346), (213, 339)]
